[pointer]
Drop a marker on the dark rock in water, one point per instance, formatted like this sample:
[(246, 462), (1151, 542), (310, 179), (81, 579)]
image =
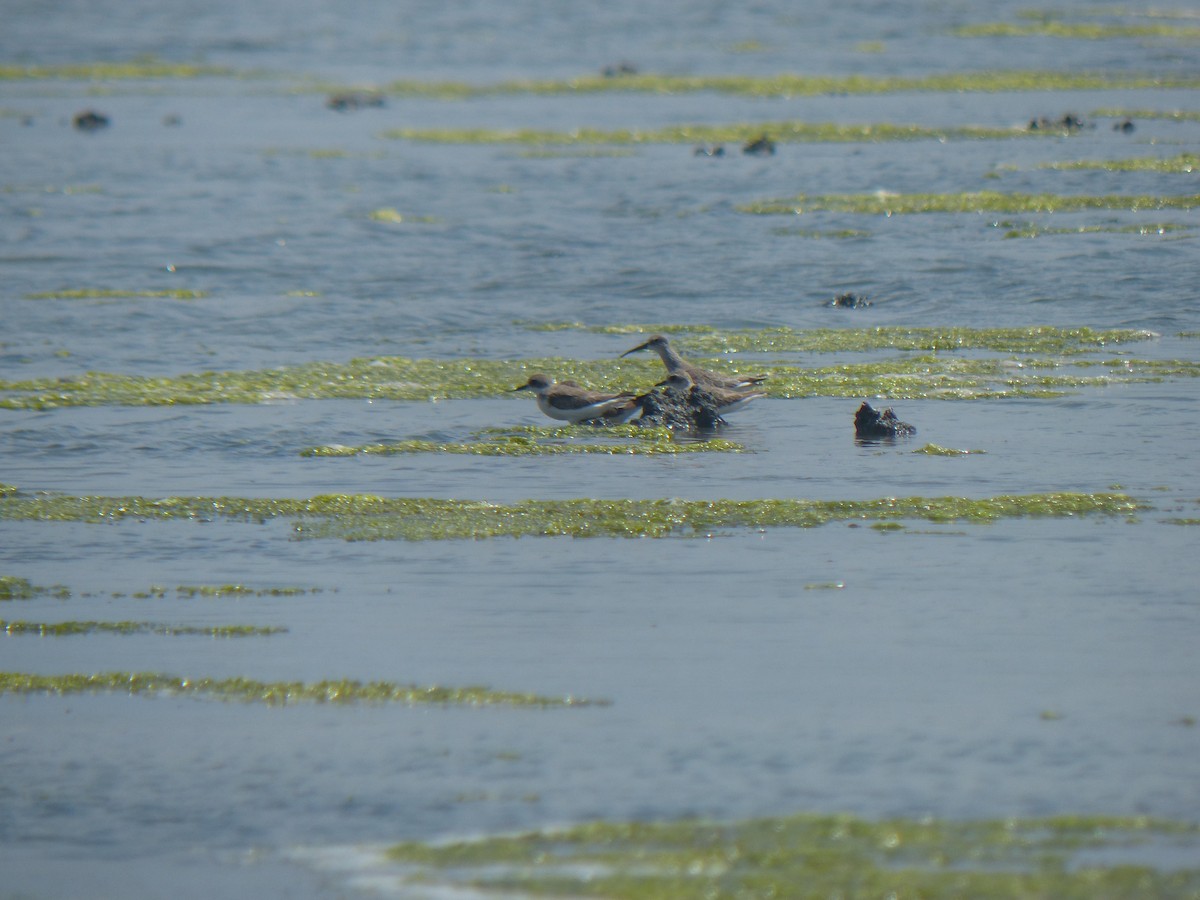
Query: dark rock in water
[(692, 410), (1125, 126), (1068, 122), (849, 301), (616, 70), (90, 120), (716, 150), (872, 425), (760, 146), (354, 100)]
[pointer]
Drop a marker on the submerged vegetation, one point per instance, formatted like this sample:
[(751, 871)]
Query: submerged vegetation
[(113, 293), (791, 131), (537, 441), (144, 68), (370, 517), (815, 856), (889, 204), (796, 85), (1034, 339), (393, 216), (1184, 163), (64, 629), (1032, 229), (276, 692), (13, 587), (936, 450), (933, 375), (1180, 115), (1091, 31)]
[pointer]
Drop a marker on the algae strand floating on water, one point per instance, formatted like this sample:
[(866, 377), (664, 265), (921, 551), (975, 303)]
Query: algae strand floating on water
[(737, 133), (368, 517), (117, 294), (403, 378), (885, 203), (622, 440), (817, 856), (782, 339), (790, 84), (342, 691), (66, 629)]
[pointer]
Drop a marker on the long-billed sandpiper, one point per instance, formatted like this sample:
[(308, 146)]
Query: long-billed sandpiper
[(706, 379), (569, 402), (726, 400)]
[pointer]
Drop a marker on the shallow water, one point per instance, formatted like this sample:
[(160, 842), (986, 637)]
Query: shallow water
[(1026, 667)]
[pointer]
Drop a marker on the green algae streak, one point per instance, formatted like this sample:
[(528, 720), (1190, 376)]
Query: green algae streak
[(14, 588), (788, 132), (64, 629), (107, 294), (1179, 115), (1184, 163), (369, 517), (276, 692), (545, 442), (813, 856), (706, 339), (1078, 31), (888, 204), (789, 84), (110, 71), (935, 376), (393, 216), (189, 591), (936, 450), (1033, 230)]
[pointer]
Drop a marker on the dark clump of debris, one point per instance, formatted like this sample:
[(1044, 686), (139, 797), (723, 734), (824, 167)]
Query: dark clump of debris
[(90, 120), (849, 301), (760, 146), (353, 100), (1068, 122), (691, 410), (716, 150), (616, 70), (872, 425), (1125, 125)]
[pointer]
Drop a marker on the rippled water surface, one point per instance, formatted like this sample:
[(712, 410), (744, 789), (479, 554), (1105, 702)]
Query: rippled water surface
[(1025, 667)]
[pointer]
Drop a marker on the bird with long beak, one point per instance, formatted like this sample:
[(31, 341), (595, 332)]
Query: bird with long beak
[(725, 400), (568, 402), (705, 379)]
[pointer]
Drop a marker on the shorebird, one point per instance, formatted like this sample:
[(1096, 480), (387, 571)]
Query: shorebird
[(706, 379), (569, 402), (725, 400)]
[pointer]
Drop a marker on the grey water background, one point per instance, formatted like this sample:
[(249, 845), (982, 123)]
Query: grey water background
[(1023, 668)]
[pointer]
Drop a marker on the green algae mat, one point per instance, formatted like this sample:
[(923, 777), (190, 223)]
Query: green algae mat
[(73, 628), (884, 203), (783, 84), (343, 691), (1038, 362), (817, 856), (370, 517), (13, 587), (790, 131), (532, 440)]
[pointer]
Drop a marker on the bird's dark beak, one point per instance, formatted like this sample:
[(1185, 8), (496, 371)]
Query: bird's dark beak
[(634, 350), (523, 387)]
